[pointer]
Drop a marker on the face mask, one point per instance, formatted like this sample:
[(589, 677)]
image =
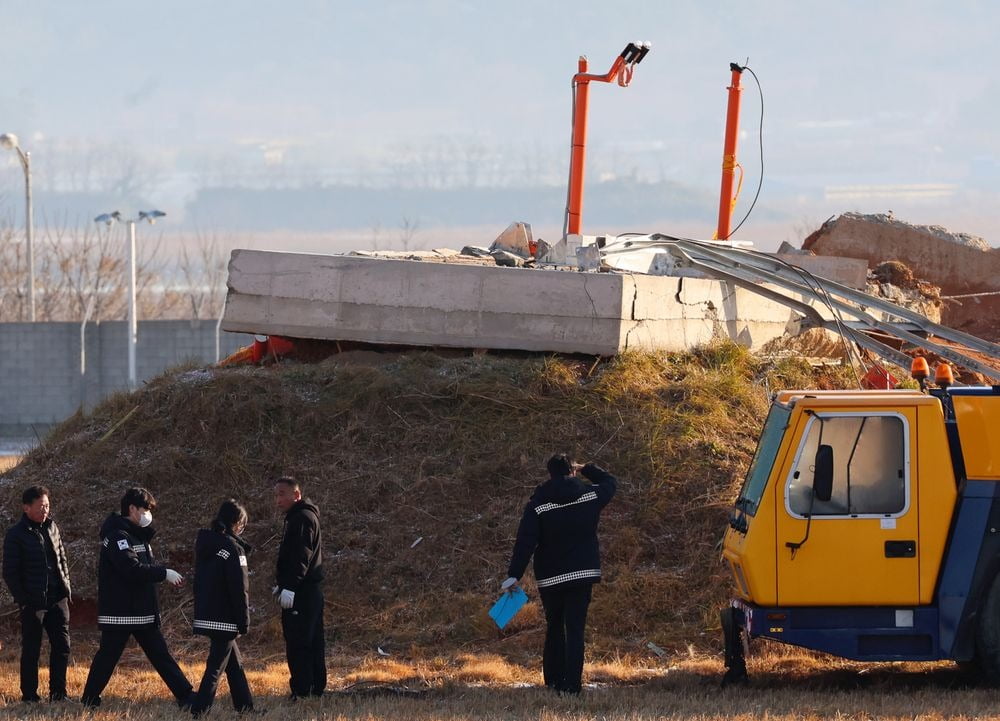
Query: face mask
[(145, 518)]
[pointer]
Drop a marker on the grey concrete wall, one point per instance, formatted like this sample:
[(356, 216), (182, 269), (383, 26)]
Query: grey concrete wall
[(469, 306), (40, 379)]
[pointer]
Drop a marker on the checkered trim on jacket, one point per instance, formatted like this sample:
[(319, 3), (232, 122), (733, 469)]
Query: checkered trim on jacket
[(567, 577), (589, 496), (127, 620), (215, 626)]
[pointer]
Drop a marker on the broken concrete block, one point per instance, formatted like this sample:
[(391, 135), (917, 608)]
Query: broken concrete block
[(556, 253), (515, 239), (402, 302), (508, 260), (787, 248), (588, 257), (958, 263), (475, 251), (852, 272)]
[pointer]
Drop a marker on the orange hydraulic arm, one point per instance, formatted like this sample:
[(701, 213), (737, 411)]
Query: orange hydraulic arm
[(622, 69), (727, 199)]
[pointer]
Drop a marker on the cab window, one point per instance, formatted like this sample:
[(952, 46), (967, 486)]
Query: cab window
[(763, 459), (870, 469)]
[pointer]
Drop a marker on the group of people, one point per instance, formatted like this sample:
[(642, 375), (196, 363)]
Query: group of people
[(558, 527), (36, 571)]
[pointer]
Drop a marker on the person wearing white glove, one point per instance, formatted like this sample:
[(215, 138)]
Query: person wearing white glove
[(559, 530), (299, 576), (127, 603)]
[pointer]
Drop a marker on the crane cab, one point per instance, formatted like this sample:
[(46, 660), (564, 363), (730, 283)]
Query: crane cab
[(861, 526)]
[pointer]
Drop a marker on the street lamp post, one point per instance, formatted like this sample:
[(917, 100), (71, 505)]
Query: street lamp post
[(9, 141), (133, 326)]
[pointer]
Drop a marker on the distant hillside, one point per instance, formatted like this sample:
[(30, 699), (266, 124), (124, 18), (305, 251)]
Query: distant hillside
[(618, 203), (421, 466)]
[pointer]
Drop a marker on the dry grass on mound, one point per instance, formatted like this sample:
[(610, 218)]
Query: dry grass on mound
[(446, 450)]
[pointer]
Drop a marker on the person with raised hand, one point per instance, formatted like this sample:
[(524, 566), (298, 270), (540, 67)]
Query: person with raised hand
[(559, 528)]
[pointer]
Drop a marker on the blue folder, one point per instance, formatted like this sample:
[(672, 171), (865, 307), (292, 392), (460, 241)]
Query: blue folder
[(508, 605)]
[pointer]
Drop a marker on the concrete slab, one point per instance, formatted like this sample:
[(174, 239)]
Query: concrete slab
[(438, 304), (852, 272)]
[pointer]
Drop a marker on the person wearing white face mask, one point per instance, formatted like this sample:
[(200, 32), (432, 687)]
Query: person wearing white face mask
[(127, 603)]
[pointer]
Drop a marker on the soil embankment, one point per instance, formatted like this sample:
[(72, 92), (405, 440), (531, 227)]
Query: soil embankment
[(421, 465)]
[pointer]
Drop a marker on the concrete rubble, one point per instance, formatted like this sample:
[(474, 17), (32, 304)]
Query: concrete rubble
[(570, 297), (964, 268)]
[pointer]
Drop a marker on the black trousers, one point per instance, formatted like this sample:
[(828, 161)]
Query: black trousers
[(565, 619), (223, 656), (56, 625), (150, 640), (305, 645)]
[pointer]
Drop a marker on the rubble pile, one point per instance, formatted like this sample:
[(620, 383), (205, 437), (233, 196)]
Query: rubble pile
[(964, 268)]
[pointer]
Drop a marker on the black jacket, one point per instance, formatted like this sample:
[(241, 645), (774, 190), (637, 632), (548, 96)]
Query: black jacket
[(127, 575), (26, 565), (300, 556), (559, 527), (221, 585)]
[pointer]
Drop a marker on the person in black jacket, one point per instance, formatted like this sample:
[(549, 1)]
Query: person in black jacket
[(127, 604), (299, 589), (37, 574), (559, 526), (222, 605)]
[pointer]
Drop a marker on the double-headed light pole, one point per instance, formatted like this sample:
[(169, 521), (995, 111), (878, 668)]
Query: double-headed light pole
[(149, 216), (9, 142)]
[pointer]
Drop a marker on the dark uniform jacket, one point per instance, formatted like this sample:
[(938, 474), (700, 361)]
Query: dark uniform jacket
[(127, 575), (300, 556), (221, 585), (559, 526), (26, 563)]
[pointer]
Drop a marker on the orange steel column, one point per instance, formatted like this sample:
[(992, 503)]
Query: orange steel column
[(578, 151), (729, 155)]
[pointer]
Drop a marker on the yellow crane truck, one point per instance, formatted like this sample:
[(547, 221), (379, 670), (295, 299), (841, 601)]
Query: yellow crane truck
[(868, 527)]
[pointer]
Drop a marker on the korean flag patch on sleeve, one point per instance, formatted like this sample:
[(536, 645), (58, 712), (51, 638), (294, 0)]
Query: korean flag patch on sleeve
[(122, 544)]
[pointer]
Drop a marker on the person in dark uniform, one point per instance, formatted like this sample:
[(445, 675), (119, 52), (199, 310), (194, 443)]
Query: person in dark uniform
[(299, 589), (222, 605), (37, 574), (559, 526), (127, 603)]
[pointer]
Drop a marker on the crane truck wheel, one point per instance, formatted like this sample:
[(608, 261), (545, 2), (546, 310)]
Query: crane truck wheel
[(988, 635)]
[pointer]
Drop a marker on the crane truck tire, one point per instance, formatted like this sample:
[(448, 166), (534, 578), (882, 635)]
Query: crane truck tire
[(988, 635)]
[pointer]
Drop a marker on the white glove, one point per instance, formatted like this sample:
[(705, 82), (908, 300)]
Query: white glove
[(287, 598), (174, 578), (508, 584)]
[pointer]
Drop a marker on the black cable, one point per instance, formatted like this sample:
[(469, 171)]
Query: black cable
[(760, 138)]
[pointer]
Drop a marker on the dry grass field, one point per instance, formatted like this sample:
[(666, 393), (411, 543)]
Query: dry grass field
[(785, 685)]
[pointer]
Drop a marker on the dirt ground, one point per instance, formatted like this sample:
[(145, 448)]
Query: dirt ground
[(784, 685)]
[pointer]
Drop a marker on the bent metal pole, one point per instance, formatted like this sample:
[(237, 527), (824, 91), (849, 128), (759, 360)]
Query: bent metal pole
[(622, 69), (727, 200)]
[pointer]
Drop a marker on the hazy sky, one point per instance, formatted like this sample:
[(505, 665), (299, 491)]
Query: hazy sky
[(856, 92)]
